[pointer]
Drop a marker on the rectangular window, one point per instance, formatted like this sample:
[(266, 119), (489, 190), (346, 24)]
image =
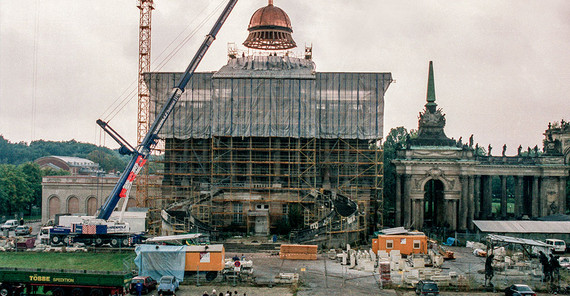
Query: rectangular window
[(285, 209), (238, 213), (389, 244), (416, 244)]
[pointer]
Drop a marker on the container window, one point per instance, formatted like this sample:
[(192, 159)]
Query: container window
[(389, 244), (416, 244)]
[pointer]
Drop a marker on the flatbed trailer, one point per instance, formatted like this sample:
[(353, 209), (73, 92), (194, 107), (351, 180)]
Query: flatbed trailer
[(63, 282)]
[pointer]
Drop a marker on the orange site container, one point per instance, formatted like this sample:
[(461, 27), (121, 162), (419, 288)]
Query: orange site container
[(205, 258), (407, 244), (298, 252)]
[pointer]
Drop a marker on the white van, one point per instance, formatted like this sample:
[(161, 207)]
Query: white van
[(558, 245), (43, 235)]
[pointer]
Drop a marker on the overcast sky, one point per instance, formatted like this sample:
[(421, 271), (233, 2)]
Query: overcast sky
[(502, 68)]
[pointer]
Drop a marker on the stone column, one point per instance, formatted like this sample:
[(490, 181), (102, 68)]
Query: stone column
[(487, 199), (407, 201), (416, 213), (470, 203), (542, 189), (519, 197), (503, 196), (462, 215), (562, 195), (422, 209), (398, 202), (477, 197), (541, 206), (451, 207)]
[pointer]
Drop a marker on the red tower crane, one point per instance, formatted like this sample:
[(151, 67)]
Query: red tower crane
[(145, 7)]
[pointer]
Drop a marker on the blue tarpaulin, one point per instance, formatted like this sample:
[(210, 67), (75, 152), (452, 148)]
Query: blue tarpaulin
[(450, 241), (156, 261)]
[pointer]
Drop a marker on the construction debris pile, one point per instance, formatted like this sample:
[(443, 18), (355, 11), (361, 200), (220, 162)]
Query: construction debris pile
[(30, 244), (396, 268)]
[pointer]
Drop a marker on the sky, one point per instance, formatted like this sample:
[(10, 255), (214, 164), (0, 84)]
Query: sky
[(502, 68)]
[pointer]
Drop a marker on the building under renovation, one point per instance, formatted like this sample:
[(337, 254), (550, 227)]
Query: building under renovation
[(268, 137)]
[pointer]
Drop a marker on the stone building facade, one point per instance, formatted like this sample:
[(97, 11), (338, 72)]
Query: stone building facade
[(442, 182), (82, 195)]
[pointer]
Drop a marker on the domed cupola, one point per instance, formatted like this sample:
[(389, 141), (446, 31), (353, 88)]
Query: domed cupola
[(270, 29)]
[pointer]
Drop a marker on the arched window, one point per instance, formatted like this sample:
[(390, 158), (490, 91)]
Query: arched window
[(91, 206), (73, 205), (54, 204)]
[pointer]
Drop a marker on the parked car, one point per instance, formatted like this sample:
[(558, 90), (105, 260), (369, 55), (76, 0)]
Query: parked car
[(558, 245), (148, 283), (519, 290), (9, 225), (23, 230), (428, 288), (167, 285)]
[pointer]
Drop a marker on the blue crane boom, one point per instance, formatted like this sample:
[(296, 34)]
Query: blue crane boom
[(143, 150)]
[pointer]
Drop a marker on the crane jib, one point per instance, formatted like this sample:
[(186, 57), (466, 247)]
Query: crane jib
[(132, 175)]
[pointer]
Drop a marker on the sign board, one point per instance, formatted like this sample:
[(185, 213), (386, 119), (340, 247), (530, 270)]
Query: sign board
[(204, 257), (237, 263)]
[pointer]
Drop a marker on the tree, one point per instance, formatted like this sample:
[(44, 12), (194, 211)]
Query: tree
[(107, 160), (19, 153), (34, 175), (16, 191), (295, 216), (396, 138)]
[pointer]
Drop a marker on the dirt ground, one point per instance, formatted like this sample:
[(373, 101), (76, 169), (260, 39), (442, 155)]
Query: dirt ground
[(325, 277)]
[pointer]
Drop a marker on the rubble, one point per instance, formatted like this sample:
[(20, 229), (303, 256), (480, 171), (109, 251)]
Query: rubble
[(286, 278)]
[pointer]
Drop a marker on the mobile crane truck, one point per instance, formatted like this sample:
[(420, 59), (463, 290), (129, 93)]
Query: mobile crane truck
[(99, 230)]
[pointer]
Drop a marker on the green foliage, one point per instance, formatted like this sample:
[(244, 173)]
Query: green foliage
[(281, 226), (396, 138), (34, 176), (109, 162), (295, 216), (19, 153), (16, 189)]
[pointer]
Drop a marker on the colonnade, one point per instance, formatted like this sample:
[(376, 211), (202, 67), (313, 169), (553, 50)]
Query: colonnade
[(535, 196)]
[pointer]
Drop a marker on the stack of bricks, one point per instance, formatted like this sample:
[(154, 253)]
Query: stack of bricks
[(298, 252)]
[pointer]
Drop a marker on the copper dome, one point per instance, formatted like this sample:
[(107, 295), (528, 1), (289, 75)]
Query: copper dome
[(270, 29)]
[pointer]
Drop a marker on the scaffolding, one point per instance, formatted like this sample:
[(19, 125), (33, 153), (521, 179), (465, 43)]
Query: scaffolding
[(263, 134)]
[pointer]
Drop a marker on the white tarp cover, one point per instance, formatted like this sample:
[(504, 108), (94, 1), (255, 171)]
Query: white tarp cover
[(523, 226), (279, 103), (156, 261)]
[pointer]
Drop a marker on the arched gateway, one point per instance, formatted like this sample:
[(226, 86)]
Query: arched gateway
[(434, 210)]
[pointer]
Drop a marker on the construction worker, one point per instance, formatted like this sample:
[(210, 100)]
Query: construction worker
[(139, 287)]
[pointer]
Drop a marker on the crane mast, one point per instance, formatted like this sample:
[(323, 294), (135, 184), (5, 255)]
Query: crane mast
[(144, 148), (145, 7)]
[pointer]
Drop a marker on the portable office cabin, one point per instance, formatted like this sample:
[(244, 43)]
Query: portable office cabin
[(205, 258), (405, 243)]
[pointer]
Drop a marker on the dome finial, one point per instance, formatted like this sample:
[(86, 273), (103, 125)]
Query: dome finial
[(270, 2)]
